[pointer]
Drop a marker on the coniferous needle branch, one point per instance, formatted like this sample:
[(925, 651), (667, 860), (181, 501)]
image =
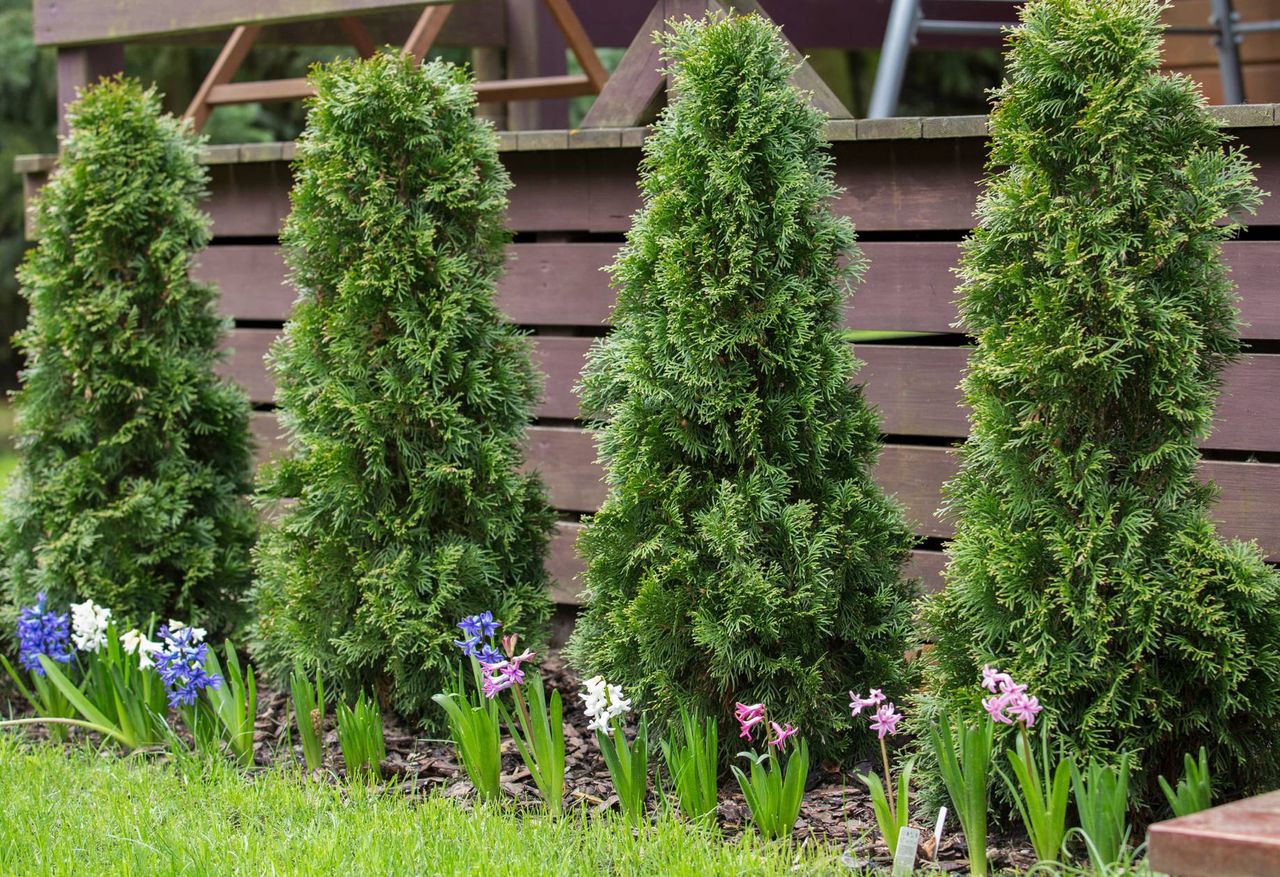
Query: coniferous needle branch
[(404, 393), (134, 456), (744, 551), (1085, 562)]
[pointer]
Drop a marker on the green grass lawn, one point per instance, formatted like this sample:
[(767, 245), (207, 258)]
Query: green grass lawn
[(82, 813)]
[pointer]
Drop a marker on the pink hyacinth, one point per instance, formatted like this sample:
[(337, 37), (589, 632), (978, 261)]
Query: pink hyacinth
[(993, 680), (748, 716), (1011, 704), (1024, 709), (995, 707), (780, 734), (858, 703), (885, 721)]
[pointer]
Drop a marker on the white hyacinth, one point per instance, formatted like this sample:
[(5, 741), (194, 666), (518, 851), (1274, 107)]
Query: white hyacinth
[(89, 625), (603, 702), (197, 633), (135, 642)]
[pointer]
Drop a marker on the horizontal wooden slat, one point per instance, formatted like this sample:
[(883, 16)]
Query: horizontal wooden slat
[(559, 358), (565, 566), (915, 388), (908, 286), (889, 185)]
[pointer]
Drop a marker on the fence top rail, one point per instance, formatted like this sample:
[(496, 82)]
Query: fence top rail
[(902, 128)]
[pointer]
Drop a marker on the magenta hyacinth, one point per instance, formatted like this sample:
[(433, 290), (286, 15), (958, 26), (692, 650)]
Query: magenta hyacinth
[(857, 703)]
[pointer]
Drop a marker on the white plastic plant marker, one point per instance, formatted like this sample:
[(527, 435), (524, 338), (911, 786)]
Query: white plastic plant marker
[(937, 831), (904, 860)]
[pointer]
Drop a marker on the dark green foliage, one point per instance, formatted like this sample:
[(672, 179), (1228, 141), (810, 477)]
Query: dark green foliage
[(404, 392), (134, 456), (744, 552), (1085, 563)]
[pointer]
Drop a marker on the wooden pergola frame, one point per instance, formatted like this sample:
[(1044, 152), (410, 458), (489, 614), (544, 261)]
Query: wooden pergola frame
[(217, 89)]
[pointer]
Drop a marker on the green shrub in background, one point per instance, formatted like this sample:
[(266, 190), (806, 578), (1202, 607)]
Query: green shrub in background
[(1085, 562), (135, 457), (744, 552), (405, 394)]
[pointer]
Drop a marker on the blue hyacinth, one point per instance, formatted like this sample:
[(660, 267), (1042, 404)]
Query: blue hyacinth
[(482, 625), (180, 664), (42, 633)]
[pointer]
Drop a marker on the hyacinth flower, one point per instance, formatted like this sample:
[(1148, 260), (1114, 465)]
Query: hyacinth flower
[(774, 791), (891, 816), (181, 665), (538, 729), (628, 764), (89, 623), (474, 723), (1041, 801), (42, 632)]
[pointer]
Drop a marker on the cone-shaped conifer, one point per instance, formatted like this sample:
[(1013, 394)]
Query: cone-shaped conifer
[(403, 391), (134, 457), (744, 552), (1085, 562)]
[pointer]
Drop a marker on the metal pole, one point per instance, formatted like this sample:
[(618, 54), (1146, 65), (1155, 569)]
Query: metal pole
[(1227, 42), (899, 34)]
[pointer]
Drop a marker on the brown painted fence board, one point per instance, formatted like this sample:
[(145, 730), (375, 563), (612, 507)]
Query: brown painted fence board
[(915, 388), (908, 286)]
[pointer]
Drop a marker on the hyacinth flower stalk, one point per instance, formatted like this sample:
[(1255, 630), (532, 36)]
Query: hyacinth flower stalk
[(1102, 802), (628, 763), (41, 632), (963, 753), (361, 739), (309, 713), (1194, 791), (234, 704), (538, 730), (1042, 789), (692, 761), (117, 674), (474, 723), (891, 815), (773, 790)]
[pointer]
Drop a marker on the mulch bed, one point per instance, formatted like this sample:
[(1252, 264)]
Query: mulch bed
[(836, 810)]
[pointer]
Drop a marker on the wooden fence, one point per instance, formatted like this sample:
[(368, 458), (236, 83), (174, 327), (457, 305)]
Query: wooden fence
[(910, 186)]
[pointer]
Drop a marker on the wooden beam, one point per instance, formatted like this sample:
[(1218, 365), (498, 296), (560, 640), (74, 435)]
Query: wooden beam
[(72, 22), (637, 89), (358, 35), (1240, 839), (228, 62), (81, 66), (534, 88), (522, 56), (426, 30), (263, 91), (579, 43)]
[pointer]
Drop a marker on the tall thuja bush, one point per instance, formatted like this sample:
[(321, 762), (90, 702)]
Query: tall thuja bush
[(405, 394), (134, 456), (1084, 560), (744, 552)]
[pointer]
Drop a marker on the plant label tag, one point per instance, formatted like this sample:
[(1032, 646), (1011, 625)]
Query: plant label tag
[(904, 860)]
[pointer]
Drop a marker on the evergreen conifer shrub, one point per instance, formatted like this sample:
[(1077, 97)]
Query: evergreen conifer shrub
[(1085, 562), (134, 457), (744, 552), (405, 394)]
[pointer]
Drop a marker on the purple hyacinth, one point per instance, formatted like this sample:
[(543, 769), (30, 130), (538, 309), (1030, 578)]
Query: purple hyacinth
[(180, 663), (482, 625), (41, 632)]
